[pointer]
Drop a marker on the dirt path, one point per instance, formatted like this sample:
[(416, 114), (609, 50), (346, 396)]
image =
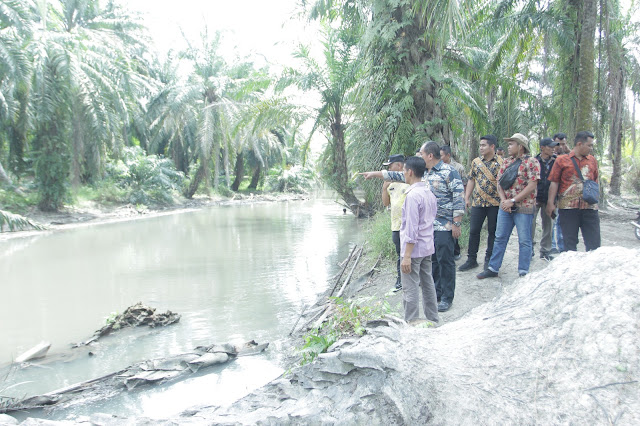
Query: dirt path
[(471, 292)]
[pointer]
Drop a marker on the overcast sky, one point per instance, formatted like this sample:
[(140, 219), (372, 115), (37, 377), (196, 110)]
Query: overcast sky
[(261, 28)]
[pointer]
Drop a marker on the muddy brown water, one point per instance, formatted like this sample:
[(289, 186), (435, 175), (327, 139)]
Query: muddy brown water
[(234, 273)]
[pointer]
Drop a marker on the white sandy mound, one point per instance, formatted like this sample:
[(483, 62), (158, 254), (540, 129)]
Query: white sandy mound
[(561, 346)]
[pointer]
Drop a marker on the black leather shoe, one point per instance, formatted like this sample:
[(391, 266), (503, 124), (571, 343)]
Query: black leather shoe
[(487, 273), (469, 264), (444, 306)]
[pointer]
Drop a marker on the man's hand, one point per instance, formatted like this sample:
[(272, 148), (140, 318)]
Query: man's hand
[(456, 231), (405, 265), (371, 175), (467, 203), (550, 209), (506, 205)]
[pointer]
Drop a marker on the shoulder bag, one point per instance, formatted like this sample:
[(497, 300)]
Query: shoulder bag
[(590, 188), (510, 174)]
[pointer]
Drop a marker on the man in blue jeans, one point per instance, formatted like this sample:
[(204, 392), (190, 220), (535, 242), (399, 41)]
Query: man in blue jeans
[(517, 205)]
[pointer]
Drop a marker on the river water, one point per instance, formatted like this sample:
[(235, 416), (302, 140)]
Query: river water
[(234, 273)]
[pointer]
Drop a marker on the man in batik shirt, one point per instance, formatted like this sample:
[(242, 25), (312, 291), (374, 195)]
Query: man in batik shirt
[(483, 199), (517, 205)]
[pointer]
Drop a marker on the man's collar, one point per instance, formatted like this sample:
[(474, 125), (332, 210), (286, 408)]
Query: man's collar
[(439, 165), (494, 158), (573, 154)]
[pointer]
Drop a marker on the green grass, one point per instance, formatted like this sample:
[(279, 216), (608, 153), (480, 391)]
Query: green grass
[(103, 193), (378, 235)]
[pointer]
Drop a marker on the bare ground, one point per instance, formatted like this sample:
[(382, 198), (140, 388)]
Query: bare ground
[(470, 292)]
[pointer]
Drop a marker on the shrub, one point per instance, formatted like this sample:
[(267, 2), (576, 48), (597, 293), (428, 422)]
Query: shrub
[(296, 179), (632, 176), (147, 179), (378, 235)]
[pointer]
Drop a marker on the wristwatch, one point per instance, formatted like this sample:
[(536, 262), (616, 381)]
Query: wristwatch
[(513, 200), (456, 223)]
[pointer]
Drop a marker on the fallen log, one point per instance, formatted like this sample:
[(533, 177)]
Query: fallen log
[(151, 372)]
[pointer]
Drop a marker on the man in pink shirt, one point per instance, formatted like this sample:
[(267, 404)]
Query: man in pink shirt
[(416, 244)]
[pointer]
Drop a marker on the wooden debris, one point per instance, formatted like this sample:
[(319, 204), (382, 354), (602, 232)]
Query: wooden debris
[(38, 351), (134, 316), (151, 372)]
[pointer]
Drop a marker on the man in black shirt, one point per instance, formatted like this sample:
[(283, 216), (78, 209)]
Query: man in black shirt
[(546, 159)]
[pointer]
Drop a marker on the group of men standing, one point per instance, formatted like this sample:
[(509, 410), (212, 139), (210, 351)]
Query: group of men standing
[(506, 192)]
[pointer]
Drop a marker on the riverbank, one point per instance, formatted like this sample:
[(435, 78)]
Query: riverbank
[(470, 293), (91, 213)]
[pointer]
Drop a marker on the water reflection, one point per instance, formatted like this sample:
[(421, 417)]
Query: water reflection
[(234, 273)]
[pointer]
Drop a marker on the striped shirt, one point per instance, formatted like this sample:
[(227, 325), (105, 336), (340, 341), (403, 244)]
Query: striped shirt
[(445, 183)]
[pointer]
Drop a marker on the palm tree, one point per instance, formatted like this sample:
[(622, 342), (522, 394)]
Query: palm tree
[(334, 80), (15, 31), (86, 78)]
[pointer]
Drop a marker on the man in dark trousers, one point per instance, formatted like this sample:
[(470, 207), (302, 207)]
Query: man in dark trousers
[(483, 199), (393, 194), (573, 211), (546, 158), (445, 183)]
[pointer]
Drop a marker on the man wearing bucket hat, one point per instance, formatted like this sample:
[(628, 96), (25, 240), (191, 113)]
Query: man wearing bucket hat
[(517, 184), (393, 194)]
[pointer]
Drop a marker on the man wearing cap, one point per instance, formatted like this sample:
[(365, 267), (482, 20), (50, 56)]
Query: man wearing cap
[(546, 158), (573, 211), (483, 199), (517, 204), (393, 194), (445, 183)]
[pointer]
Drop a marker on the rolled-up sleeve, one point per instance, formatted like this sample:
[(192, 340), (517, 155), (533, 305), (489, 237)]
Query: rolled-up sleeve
[(393, 176), (412, 218)]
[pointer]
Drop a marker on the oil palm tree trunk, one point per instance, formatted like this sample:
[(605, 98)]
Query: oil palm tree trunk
[(584, 116)]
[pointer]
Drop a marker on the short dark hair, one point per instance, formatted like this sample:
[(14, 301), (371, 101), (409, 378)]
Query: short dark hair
[(499, 148), (431, 147), (417, 165), (583, 136), (446, 149), (491, 140), (559, 136)]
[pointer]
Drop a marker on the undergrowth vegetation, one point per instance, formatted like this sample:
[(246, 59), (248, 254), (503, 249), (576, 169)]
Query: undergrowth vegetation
[(296, 179), (138, 179), (348, 319), (378, 235)]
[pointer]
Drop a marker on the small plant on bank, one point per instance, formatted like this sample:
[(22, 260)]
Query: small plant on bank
[(347, 320)]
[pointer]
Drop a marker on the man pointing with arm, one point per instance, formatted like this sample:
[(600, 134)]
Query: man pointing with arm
[(446, 185)]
